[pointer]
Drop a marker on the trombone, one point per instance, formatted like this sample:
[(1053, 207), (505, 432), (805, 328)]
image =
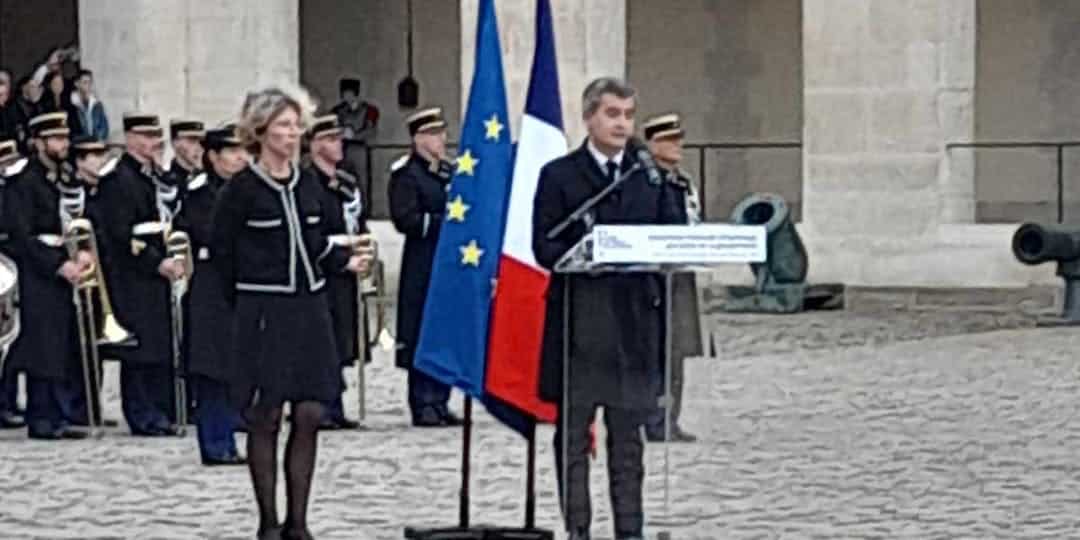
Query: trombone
[(178, 247), (79, 236)]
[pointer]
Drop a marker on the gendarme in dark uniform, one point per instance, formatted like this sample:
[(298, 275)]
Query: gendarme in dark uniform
[(139, 205), (271, 249), (686, 326), (615, 327), (179, 174), (346, 216), (417, 193), (11, 164), (37, 207), (210, 318)]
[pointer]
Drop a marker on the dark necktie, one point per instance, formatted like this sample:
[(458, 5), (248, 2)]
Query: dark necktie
[(612, 169)]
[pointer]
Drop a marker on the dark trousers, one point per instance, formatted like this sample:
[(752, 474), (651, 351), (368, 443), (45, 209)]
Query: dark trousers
[(427, 393), (79, 401), (9, 389), (334, 409), (656, 417), (626, 470), (48, 404), (215, 419), (146, 397)]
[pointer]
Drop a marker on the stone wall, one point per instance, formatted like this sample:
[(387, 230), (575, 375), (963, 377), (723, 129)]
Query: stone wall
[(733, 68), (1028, 90), (187, 58)]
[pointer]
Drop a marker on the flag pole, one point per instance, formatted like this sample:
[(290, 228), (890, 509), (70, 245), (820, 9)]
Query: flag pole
[(530, 481), (466, 448)]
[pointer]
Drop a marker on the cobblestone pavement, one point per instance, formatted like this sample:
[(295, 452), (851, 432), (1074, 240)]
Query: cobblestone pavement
[(831, 425)]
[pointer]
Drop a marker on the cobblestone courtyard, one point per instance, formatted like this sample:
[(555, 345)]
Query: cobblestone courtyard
[(826, 425)]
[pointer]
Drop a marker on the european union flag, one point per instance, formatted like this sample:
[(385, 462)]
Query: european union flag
[(454, 331)]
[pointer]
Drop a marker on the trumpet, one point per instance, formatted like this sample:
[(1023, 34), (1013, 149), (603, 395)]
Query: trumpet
[(178, 247), (79, 236)]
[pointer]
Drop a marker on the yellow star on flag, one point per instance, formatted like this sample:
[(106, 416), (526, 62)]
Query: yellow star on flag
[(470, 253), (494, 128), (457, 209), (466, 163)]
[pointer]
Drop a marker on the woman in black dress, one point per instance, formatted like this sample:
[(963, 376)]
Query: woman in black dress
[(271, 248)]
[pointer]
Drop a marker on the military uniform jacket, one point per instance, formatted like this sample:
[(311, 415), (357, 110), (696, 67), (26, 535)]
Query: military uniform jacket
[(134, 237), (685, 320), (616, 321), (208, 315), (343, 201), (417, 203), (47, 346)]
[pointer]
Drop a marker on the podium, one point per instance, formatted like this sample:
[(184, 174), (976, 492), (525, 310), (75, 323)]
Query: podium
[(663, 251)]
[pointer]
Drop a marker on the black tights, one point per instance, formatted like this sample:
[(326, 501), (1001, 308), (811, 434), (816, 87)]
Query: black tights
[(300, 450)]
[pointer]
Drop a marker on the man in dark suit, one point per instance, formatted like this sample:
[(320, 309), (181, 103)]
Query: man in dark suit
[(418, 185), (616, 322)]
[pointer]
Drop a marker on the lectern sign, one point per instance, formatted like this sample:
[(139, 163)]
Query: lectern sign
[(679, 244)]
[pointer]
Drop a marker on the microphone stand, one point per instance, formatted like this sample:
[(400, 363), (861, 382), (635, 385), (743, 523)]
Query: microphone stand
[(591, 202)]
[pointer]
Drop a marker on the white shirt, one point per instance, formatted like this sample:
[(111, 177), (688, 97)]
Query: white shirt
[(601, 159)]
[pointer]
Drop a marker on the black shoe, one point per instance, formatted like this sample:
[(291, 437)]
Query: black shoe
[(656, 434), (451, 420), (10, 420), (345, 423), (173, 430), (73, 434), (328, 424), (579, 534), (428, 418), (230, 460), (269, 534)]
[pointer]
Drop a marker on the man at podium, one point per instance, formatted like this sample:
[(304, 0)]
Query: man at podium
[(615, 325)]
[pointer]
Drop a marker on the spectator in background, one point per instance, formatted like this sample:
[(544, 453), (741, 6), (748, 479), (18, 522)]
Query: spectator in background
[(91, 112), (9, 120), (26, 107), (57, 98), (359, 118)]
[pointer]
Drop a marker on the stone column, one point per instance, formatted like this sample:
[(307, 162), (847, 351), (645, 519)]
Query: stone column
[(192, 58), (590, 42), (888, 84)]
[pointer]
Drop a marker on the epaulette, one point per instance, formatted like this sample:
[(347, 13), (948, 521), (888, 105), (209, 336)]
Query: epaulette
[(347, 177), (16, 168), (197, 182), (399, 162), (108, 167)]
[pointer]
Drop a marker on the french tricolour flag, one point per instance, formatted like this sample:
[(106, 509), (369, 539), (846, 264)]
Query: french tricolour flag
[(517, 323)]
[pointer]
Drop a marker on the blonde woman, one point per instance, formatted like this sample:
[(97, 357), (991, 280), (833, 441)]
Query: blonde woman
[(270, 245)]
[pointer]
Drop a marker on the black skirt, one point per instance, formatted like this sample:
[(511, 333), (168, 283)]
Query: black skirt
[(284, 350)]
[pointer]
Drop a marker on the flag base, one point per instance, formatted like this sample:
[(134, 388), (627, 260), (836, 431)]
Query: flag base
[(478, 533)]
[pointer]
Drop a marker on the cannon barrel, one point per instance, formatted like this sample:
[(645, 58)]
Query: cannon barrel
[(786, 260), (1035, 244)]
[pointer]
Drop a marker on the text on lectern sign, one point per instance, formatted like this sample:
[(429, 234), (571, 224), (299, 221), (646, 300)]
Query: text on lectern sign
[(679, 244)]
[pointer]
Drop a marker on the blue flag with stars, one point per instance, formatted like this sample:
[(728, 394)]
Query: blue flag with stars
[(454, 330)]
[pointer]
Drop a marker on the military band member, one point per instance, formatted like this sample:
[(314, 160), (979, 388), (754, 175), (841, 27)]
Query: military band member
[(664, 135), (89, 156), (616, 322), (271, 247), (47, 347), (210, 323), (417, 190), (358, 118), (11, 164), (343, 200), (187, 137), (139, 205)]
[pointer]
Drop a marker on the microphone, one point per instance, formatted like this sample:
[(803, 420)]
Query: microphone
[(641, 152)]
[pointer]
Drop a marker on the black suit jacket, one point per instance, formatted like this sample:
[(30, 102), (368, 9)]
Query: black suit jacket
[(615, 319)]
